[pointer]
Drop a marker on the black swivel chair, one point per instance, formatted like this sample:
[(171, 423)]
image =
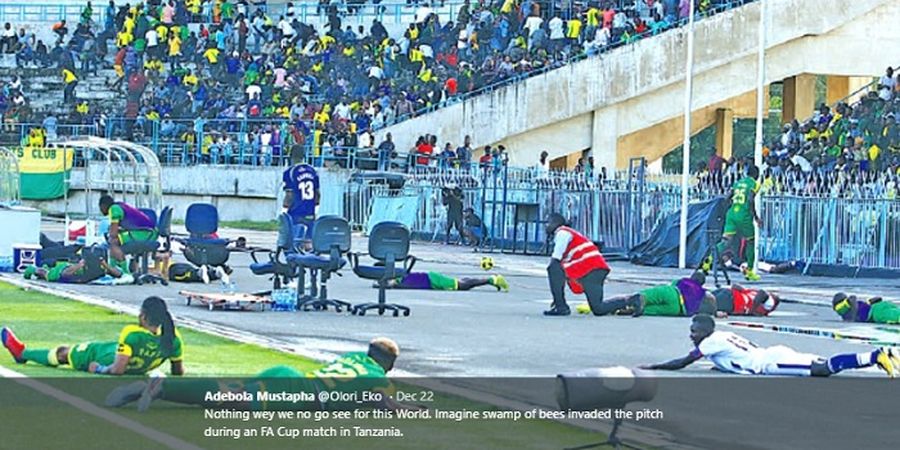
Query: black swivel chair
[(330, 241), (388, 246), (281, 271), (143, 249)]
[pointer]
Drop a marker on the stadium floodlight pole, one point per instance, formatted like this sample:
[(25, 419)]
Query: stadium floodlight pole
[(686, 149), (760, 85)]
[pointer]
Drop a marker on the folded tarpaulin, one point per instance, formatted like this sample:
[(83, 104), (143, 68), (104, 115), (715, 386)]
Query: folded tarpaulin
[(661, 248)]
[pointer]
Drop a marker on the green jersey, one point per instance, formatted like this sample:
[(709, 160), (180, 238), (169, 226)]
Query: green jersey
[(143, 349), (742, 193), (352, 372)]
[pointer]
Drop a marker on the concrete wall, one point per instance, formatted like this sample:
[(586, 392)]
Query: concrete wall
[(637, 86), (240, 193)]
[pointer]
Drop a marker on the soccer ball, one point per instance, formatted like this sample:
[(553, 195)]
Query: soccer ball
[(487, 263)]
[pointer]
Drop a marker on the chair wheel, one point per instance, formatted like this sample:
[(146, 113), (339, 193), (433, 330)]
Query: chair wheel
[(396, 313), (380, 312), (362, 312), (406, 313)]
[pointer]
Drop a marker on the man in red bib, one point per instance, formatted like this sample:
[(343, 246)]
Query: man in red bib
[(577, 261)]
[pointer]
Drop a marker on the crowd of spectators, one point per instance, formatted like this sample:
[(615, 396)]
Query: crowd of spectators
[(191, 68), (852, 150)]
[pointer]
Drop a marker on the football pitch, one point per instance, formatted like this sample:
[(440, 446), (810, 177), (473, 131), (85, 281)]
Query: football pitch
[(43, 320)]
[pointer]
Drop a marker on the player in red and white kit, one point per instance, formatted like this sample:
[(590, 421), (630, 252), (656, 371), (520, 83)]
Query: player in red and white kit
[(734, 354), (740, 301)]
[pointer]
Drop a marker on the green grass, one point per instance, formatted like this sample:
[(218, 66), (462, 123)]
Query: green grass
[(270, 225), (42, 320), (45, 321)]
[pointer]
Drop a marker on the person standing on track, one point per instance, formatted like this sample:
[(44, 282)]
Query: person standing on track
[(452, 198), (575, 260), (739, 224), (301, 194)]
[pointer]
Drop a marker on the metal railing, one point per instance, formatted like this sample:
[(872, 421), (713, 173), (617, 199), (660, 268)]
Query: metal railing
[(860, 233), (855, 232), (386, 12)]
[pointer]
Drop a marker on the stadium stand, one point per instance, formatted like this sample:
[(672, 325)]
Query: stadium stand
[(222, 82), (851, 150)]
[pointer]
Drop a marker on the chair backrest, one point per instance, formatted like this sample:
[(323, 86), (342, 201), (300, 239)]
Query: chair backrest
[(389, 238), (331, 231), (164, 224), (151, 214), (201, 219), (285, 232)]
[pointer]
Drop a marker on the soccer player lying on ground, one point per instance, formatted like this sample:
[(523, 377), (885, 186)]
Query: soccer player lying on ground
[(440, 282), (84, 271), (683, 297), (740, 301), (351, 372), (140, 348), (874, 310), (734, 354)]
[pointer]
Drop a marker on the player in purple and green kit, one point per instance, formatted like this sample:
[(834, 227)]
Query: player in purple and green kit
[(301, 194), (126, 224), (140, 348), (352, 372), (874, 310), (682, 297), (439, 282)]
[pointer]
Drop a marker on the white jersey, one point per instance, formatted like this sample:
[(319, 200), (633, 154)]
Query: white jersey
[(731, 353), (735, 354)]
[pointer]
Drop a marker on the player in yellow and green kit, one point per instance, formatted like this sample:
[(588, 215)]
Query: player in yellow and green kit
[(353, 372), (140, 348), (739, 224)]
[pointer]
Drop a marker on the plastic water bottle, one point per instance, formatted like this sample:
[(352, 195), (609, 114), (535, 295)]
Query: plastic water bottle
[(284, 300)]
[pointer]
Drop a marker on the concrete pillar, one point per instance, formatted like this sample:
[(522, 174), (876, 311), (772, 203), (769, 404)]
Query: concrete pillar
[(567, 162), (799, 97), (855, 85), (605, 137), (840, 87), (724, 132), (837, 87)]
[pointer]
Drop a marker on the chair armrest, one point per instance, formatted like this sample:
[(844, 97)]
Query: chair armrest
[(354, 259), (254, 251), (408, 263)]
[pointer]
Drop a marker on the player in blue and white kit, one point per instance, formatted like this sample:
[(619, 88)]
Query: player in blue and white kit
[(301, 194), (734, 354)]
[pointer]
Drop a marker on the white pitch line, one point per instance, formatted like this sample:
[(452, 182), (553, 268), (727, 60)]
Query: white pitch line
[(94, 410)]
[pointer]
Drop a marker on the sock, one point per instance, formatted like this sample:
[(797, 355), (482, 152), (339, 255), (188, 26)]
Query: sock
[(121, 265), (192, 392), (750, 254), (41, 356), (846, 361)]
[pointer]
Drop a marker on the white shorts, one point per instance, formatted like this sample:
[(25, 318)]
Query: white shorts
[(781, 360)]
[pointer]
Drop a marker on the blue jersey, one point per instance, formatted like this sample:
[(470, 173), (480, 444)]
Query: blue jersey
[(303, 181)]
